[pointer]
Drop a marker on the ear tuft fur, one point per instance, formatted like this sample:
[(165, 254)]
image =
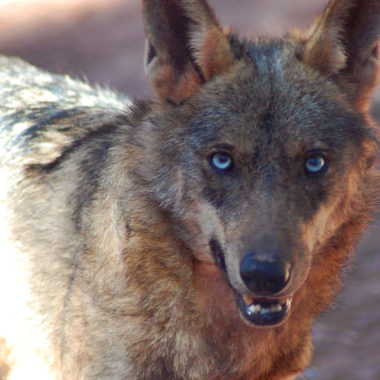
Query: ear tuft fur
[(185, 47), (343, 44)]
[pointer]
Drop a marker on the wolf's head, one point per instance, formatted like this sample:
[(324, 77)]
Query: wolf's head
[(263, 151)]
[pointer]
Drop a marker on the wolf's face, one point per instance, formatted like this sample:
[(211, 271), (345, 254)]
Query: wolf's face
[(262, 149), (259, 166)]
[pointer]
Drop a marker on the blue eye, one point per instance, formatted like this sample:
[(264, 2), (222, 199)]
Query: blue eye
[(221, 161), (315, 164)]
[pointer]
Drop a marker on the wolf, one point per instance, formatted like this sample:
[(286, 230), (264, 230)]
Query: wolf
[(196, 235)]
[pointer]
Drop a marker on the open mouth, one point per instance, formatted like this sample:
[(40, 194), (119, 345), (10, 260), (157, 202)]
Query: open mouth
[(258, 312), (263, 312)]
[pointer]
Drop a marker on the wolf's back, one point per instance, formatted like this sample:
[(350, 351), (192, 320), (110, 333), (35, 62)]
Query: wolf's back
[(41, 113)]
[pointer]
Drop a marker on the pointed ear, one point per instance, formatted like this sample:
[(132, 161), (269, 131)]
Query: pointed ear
[(185, 47), (344, 43)]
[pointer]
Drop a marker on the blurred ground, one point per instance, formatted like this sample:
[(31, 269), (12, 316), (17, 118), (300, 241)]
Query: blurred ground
[(103, 41)]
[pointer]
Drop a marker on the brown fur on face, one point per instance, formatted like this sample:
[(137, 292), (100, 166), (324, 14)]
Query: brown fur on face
[(127, 241)]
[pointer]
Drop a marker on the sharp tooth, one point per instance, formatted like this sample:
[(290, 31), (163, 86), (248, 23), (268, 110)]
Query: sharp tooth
[(255, 308), (288, 302), (276, 308)]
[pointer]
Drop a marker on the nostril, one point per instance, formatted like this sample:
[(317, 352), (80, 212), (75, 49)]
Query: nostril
[(264, 276)]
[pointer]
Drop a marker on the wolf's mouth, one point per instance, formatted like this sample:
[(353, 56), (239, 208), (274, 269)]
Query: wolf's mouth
[(263, 312), (258, 312)]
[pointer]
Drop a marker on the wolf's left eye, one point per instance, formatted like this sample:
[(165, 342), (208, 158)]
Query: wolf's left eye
[(221, 161), (315, 164)]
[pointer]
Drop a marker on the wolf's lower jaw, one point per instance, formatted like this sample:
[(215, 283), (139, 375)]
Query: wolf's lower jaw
[(263, 312)]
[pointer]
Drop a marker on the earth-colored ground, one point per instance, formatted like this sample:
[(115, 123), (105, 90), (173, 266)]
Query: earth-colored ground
[(103, 41)]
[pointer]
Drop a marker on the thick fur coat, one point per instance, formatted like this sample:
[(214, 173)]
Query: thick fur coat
[(198, 235)]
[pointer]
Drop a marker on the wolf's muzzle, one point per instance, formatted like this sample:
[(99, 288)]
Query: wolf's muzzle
[(265, 278)]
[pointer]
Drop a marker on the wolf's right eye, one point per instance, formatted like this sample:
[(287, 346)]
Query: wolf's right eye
[(221, 161)]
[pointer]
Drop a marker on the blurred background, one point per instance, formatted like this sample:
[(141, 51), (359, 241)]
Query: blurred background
[(103, 41)]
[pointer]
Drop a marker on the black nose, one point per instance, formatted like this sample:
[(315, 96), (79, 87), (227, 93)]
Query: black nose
[(264, 276)]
